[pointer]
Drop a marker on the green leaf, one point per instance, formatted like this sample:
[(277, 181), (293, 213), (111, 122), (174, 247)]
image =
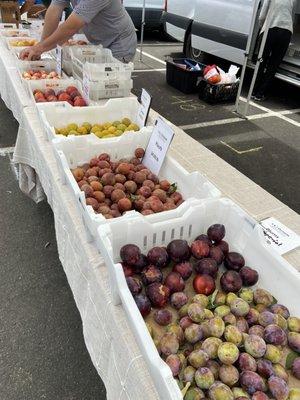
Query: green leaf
[(290, 359), (172, 188), (275, 301), (212, 298)]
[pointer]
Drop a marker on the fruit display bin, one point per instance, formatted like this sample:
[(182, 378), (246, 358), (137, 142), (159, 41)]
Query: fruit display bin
[(109, 88), (31, 64), (112, 110), (46, 65), (17, 49), (115, 70), (243, 234), (55, 84), (89, 54), (12, 33), (193, 186)]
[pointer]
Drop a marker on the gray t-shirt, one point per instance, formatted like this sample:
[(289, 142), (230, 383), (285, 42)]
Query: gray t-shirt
[(282, 16), (107, 23)]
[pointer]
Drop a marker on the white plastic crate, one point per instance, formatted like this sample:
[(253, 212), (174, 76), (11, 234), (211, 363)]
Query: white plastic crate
[(46, 65), (108, 89), (70, 154), (30, 64), (12, 33), (56, 85), (17, 49), (112, 110), (243, 234), (115, 70), (89, 54), (67, 54)]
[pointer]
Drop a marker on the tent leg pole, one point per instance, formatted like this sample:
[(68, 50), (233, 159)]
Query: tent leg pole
[(142, 29)]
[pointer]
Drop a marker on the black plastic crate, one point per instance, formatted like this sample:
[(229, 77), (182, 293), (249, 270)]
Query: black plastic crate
[(184, 80), (221, 93)]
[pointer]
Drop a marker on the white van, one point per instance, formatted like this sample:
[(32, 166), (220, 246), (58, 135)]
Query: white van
[(221, 28), (153, 15)]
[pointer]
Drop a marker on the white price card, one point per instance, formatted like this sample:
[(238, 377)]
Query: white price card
[(144, 108), (158, 145), (58, 52), (85, 86), (278, 236)]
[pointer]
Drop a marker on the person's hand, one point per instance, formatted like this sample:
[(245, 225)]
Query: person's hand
[(32, 53)]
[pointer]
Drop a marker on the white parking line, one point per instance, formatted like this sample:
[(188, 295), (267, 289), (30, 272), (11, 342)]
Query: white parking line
[(277, 114), (4, 151), (150, 56)]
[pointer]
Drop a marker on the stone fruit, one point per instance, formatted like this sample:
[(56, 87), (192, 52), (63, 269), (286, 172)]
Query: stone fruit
[(228, 353), (189, 374), (252, 317), (273, 353), (273, 334), (178, 299), (143, 304), (128, 271), (158, 294), (233, 335), (296, 368), (134, 285), (173, 361), (222, 311), (163, 317), (267, 318), (251, 382), (204, 284), (204, 238), (194, 394), (141, 263), (216, 254), (174, 282), (294, 324), (255, 346), (229, 375), (223, 246), (185, 322), (234, 261), (158, 256), (169, 344), (249, 276), (210, 346), (294, 341), (199, 249), (256, 330), (294, 394), (198, 358), (231, 282), (216, 232), (260, 396), (278, 387), (247, 362), (124, 205), (196, 312), (216, 327), (204, 378), (262, 296), (193, 333), (247, 295), (240, 393), (220, 391), (178, 250), (239, 307), (281, 310), (201, 299), (130, 254), (265, 368), (207, 266), (185, 269), (174, 328), (280, 372), (229, 319), (151, 274)]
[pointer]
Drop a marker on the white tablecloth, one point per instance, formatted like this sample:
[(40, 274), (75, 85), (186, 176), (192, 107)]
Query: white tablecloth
[(109, 340)]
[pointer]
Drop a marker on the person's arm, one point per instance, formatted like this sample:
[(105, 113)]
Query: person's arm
[(264, 12), (64, 32), (52, 18)]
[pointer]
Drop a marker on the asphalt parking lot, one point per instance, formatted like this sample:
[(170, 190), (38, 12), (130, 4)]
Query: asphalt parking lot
[(42, 354)]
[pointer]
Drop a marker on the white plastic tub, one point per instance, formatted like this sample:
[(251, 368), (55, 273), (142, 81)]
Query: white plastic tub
[(17, 49), (56, 85), (12, 33), (89, 54), (108, 89), (243, 234), (70, 154), (46, 65), (112, 110)]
